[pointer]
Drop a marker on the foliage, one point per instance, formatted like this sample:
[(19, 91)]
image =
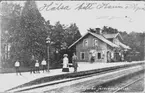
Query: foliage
[(72, 34), (61, 37), (136, 41), (57, 35), (105, 29), (27, 31), (96, 30), (10, 14), (109, 30), (133, 40), (32, 30)]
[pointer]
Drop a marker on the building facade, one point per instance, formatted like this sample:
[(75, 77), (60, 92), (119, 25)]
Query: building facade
[(94, 47)]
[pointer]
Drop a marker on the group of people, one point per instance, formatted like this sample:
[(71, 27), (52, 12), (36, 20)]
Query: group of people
[(35, 66), (66, 63)]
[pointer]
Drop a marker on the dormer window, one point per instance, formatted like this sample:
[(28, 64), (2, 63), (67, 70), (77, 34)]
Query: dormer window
[(85, 43)]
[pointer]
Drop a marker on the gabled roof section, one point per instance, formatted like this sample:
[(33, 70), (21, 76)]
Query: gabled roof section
[(97, 36), (78, 40), (104, 39), (108, 36)]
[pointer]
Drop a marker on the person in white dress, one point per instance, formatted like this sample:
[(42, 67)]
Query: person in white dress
[(17, 67), (65, 64), (44, 65)]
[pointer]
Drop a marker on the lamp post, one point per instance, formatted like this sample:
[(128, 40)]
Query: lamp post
[(56, 55), (48, 45)]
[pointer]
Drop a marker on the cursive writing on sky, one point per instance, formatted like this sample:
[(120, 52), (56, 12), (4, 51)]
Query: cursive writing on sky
[(55, 6)]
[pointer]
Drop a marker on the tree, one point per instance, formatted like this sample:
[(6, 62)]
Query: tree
[(109, 30), (57, 35), (61, 37), (135, 41), (10, 14), (72, 34), (29, 37)]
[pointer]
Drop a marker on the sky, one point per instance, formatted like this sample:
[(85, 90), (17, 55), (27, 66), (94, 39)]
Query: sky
[(123, 15)]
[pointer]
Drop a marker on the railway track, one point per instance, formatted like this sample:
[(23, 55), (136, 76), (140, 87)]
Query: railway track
[(128, 84), (99, 72), (117, 85)]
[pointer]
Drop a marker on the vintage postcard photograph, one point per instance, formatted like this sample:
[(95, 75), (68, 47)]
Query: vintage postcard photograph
[(72, 46)]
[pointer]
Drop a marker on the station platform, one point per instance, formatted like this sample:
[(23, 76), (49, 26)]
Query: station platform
[(10, 80)]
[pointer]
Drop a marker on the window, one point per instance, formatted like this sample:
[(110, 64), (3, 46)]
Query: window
[(95, 42), (82, 56), (99, 55), (7, 51), (9, 47), (85, 42)]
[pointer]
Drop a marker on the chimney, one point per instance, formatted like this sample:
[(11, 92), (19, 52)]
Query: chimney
[(98, 31)]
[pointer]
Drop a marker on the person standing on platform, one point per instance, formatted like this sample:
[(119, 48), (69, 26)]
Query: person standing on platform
[(37, 66), (65, 64), (43, 63), (74, 62), (17, 67), (32, 66)]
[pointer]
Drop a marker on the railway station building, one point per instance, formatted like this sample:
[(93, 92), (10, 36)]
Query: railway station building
[(100, 47)]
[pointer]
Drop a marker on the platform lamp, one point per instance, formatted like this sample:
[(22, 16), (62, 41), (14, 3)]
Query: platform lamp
[(57, 54), (48, 45)]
